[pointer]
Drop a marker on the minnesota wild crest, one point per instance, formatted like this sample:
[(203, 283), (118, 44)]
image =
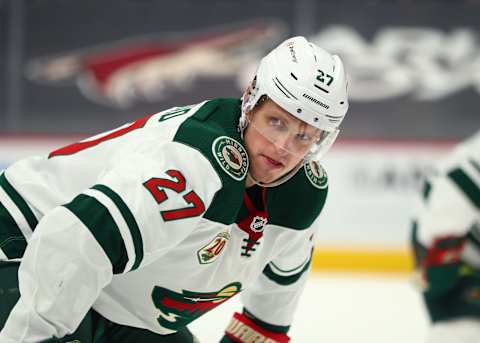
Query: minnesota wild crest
[(232, 157), (179, 309), (316, 174)]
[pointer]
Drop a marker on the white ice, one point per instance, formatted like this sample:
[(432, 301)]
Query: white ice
[(342, 308)]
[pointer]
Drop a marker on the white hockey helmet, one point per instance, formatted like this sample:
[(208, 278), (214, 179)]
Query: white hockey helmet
[(306, 81)]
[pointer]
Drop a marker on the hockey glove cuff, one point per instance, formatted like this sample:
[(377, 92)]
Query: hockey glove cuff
[(243, 330)]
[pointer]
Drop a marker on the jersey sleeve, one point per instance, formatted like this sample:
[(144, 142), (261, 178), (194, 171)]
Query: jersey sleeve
[(446, 235), (273, 298), (450, 204), (139, 209)]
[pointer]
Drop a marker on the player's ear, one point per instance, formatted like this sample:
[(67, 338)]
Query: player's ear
[(261, 102), (250, 114)]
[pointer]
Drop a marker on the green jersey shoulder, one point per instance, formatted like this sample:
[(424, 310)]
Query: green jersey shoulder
[(212, 130), (299, 201)]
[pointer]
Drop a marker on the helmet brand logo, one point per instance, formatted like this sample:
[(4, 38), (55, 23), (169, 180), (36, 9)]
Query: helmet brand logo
[(318, 102), (292, 52), (152, 65)]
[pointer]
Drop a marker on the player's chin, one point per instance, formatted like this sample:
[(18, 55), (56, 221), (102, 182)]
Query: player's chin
[(266, 174), (268, 177)]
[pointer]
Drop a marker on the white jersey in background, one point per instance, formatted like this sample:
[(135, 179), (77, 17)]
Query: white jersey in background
[(446, 238)]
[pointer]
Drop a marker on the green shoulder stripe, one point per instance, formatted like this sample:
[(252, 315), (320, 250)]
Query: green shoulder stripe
[(475, 164), (426, 190), (212, 130), (473, 235), (12, 240), (298, 202), (420, 251), (129, 219), (96, 217), (286, 280), (466, 185), (19, 202)]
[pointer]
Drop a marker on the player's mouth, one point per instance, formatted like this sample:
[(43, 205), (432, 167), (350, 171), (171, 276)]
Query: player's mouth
[(272, 163)]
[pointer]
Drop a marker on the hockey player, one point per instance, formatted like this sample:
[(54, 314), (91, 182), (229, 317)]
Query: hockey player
[(132, 234), (446, 238)]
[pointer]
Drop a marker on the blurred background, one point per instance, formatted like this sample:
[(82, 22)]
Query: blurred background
[(73, 68)]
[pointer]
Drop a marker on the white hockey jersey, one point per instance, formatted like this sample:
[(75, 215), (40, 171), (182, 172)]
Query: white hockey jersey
[(451, 200), (150, 225)]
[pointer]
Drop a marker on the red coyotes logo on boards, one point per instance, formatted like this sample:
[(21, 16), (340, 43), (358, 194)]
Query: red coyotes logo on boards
[(177, 310), (148, 68)]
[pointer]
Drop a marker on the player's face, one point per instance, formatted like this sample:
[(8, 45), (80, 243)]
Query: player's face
[(276, 141)]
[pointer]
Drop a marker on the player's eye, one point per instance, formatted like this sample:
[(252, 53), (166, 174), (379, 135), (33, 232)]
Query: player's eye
[(276, 122), (304, 138)]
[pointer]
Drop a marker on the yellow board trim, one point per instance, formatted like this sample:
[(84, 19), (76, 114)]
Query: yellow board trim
[(377, 260)]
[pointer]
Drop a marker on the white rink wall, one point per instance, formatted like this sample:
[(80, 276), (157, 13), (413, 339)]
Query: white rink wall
[(372, 187)]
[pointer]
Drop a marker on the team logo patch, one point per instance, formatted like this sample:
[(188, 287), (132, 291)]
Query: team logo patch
[(232, 157), (176, 310), (316, 174), (258, 223), (212, 250)]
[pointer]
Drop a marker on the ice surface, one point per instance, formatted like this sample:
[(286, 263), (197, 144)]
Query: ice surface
[(343, 308)]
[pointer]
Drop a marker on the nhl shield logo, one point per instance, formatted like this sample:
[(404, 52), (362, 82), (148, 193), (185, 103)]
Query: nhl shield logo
[(213, 249), (316, 175), (258, 223), (232, 157)]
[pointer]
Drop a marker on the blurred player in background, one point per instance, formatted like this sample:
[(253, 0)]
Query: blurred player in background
[(446, 238), (130, 235)]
